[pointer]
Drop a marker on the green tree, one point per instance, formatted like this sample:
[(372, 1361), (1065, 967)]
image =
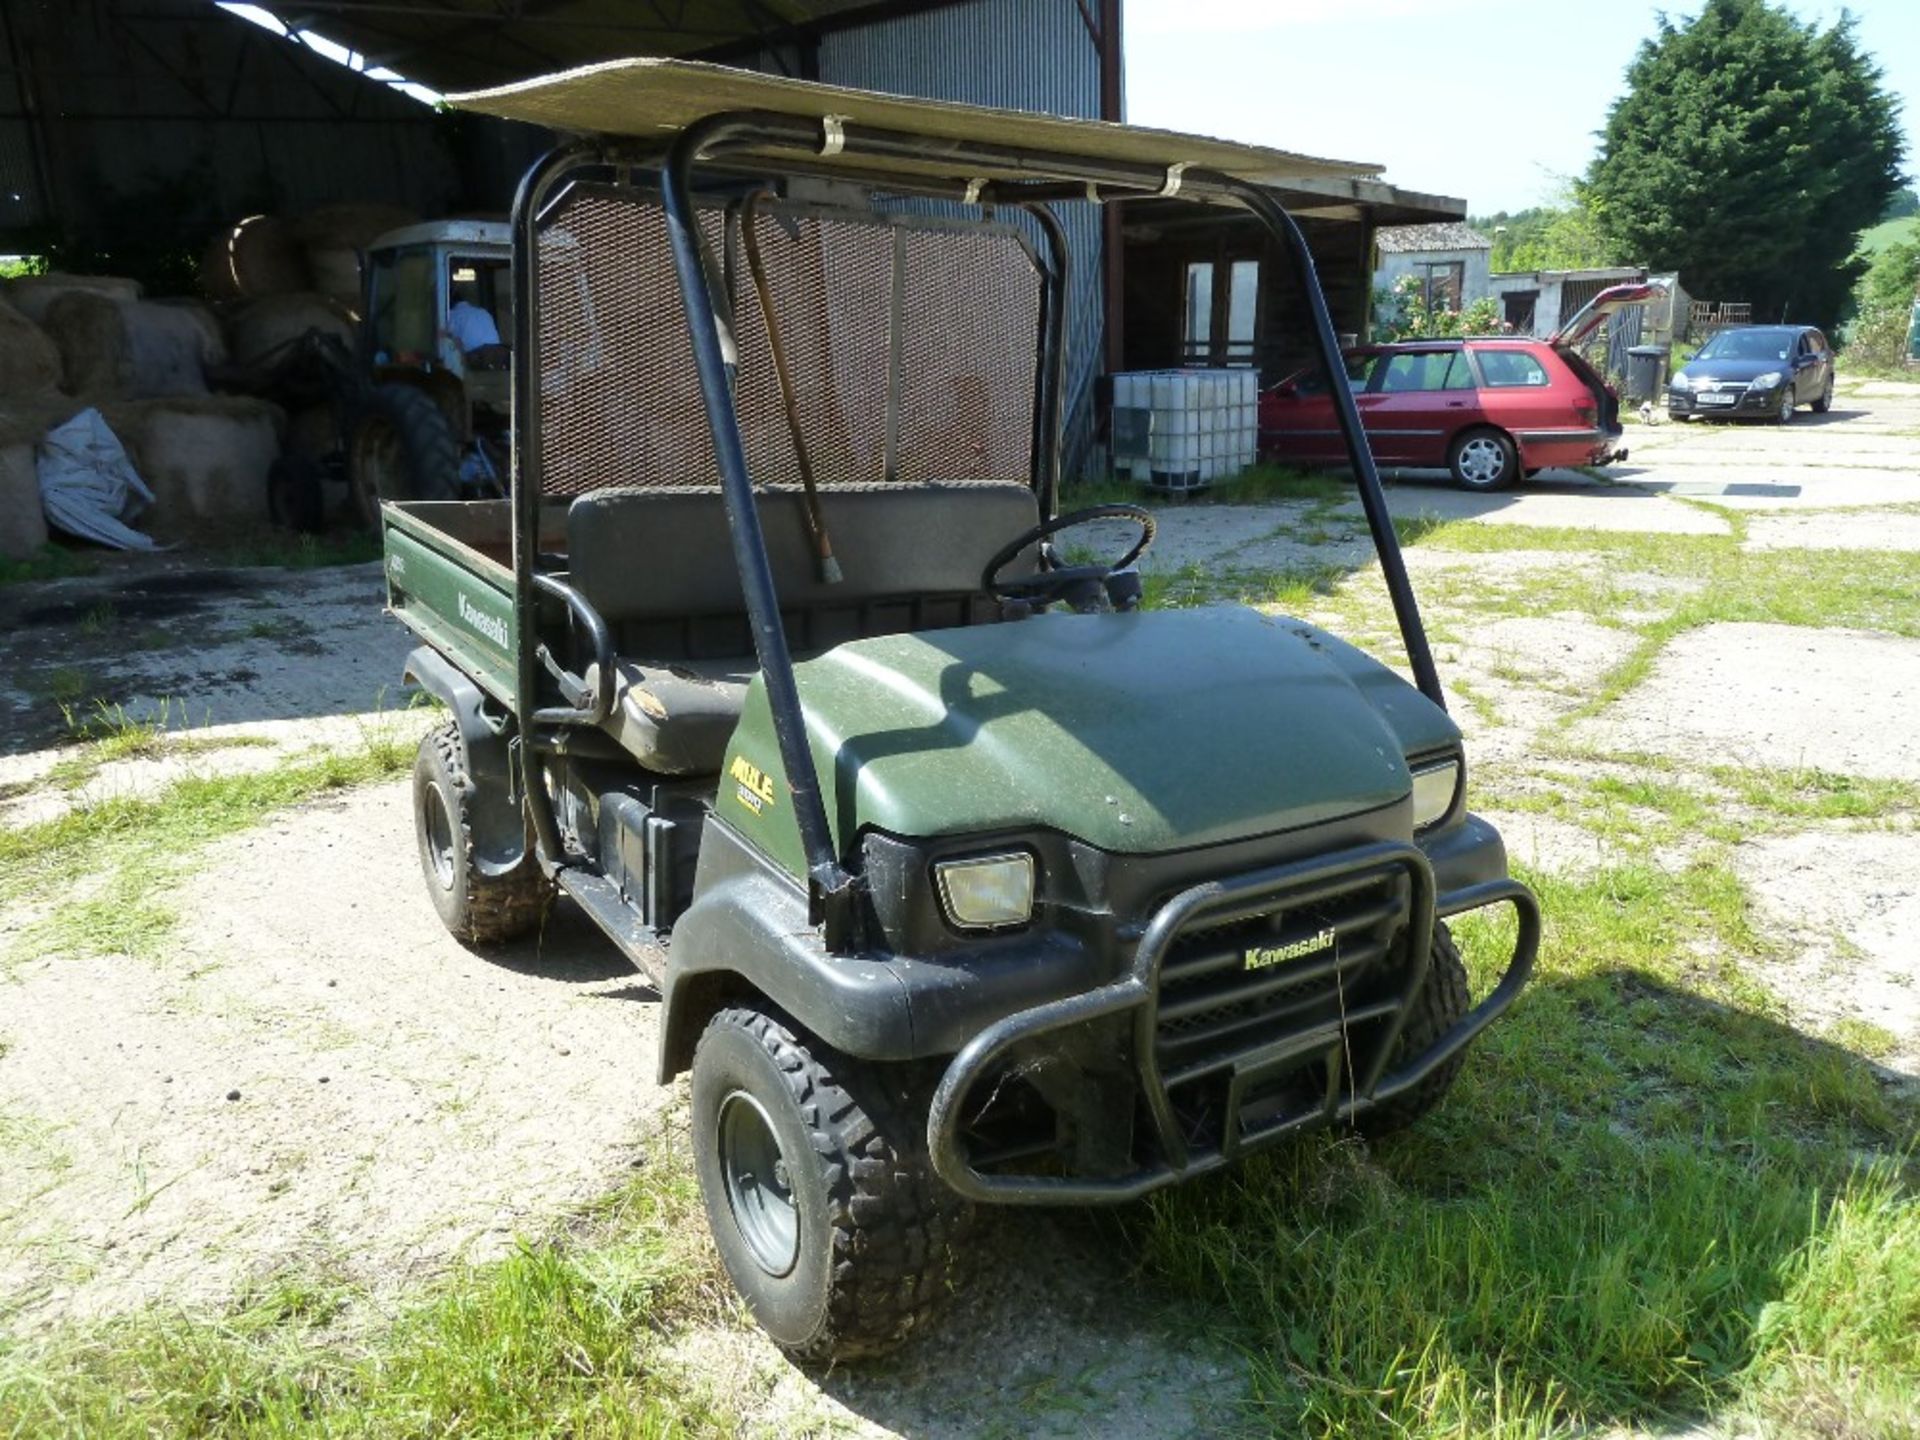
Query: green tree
[(1747, 153), (1559, 236)]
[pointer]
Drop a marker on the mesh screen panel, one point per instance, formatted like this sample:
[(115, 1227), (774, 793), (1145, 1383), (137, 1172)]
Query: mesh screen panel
[(911, 347)]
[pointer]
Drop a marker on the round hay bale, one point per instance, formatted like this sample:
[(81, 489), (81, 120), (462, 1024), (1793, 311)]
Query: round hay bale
[(334, 236), (26, 420), (134, 349), (23, 521), (213, 344), (350, 226), (336, 274), (32, 294), (205, 457), (263, 331), (29, 361), (256, 257), (90, 333)]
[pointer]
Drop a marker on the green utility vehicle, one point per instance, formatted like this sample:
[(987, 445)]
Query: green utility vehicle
[(961, 877)]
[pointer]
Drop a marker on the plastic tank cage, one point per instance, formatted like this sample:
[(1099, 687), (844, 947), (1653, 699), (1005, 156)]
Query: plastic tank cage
[(911, 345)]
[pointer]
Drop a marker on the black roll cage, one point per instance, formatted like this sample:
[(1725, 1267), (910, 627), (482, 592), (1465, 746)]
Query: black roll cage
[(1055, 177)]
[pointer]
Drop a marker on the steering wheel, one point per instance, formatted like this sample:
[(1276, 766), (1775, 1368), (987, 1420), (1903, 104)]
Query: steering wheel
[(1077, 584)]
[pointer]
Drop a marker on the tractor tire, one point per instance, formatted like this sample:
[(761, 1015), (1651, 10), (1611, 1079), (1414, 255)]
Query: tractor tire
[(823, 1205), (478, 909), (1441, 1003), (402, 448)]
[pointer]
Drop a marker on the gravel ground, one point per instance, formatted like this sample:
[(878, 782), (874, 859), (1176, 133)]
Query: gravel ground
[(402, 1100)]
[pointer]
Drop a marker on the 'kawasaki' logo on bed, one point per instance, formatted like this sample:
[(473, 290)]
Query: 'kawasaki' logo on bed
[(491, 626)]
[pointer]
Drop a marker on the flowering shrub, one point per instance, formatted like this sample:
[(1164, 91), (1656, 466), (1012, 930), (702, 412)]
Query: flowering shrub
[(1402, 313)]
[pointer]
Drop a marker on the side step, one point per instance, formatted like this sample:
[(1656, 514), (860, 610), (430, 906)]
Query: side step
[(600, 898)]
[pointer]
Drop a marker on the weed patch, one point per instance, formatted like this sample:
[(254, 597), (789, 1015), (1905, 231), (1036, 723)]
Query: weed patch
[(561, 1337)]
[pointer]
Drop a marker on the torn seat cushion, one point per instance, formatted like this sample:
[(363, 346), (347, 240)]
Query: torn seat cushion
[(676, 717)]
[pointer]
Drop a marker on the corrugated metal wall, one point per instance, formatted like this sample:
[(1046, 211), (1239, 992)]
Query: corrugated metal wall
[(1024, 55), (168, 114)]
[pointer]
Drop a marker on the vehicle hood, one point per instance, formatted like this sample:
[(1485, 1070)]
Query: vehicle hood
[(1731, 369), (1135, 733)]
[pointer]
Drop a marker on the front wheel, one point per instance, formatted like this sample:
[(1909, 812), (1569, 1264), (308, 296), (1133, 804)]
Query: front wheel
[(1783, 413), (1483, 460), (1441, 1004), (479, 908), (823, 1206)]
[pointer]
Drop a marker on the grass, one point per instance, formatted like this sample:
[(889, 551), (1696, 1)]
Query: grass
[(1650, 1200), (1888, 233), (50, 562), (104, 866), (279, 548), (566, 1336)]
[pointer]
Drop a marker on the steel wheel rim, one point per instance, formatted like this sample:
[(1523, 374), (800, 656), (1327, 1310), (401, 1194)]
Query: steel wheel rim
[(439, 823), (1481, 461), (759, 1189)]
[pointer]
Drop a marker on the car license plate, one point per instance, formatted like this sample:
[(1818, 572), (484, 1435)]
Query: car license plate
[(1716, 399)]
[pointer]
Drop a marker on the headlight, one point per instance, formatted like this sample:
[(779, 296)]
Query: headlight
[(987, 892), (1433, 790), (1681, 381), (1768, 380)]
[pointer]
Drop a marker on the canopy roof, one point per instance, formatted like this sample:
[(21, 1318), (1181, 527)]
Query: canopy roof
[(653, 98)]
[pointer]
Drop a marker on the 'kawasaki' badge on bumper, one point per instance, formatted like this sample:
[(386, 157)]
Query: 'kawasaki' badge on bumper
[(1259, 957)]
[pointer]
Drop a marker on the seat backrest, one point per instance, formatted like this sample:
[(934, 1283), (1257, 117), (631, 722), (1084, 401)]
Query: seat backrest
[(659, 564)]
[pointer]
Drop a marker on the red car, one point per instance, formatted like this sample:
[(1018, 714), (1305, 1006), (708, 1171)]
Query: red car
[(1488, 409)]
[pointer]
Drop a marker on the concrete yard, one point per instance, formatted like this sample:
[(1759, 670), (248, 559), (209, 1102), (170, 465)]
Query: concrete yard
[(306, 1070)]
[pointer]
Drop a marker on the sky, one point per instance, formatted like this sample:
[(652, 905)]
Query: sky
[(1495, 101)]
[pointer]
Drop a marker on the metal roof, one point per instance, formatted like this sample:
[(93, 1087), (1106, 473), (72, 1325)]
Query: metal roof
[(469, 44), (653, 98)]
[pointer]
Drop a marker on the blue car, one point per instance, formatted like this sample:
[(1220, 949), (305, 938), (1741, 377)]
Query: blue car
[(1755, 370)]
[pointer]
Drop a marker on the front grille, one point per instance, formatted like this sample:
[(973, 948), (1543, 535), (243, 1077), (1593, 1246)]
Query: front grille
[(1219, 1008)]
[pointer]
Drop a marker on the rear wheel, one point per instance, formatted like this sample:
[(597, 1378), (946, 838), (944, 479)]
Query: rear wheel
[(1438, 1008), (1483, 460), (1825, 402), (402, 449), (823, 1206), (479, 908)]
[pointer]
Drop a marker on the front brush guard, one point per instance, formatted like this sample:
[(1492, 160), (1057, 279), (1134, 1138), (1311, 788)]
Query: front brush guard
[(1137, 994)]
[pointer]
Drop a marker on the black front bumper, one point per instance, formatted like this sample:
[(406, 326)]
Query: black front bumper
[(1749, 402), (1284, 1077)]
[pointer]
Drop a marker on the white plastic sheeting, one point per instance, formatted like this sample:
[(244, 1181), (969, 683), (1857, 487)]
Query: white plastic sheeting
[(88, 485)]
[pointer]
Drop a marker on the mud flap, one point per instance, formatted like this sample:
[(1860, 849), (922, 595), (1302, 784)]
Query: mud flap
[(499, 827)]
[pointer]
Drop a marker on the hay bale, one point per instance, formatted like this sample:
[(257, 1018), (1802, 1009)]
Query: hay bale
[(262, 332), (205, 457), (352, 225), (334, 236), (29, 361), (23, 522), (25, 420), (133, 349), (32, 294), (256, 257)]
